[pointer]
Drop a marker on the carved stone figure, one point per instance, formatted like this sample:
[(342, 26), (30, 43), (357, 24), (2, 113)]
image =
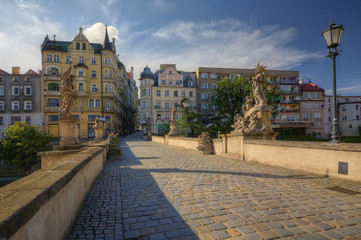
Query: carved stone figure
[(249, 104), (253, 123), (257, 86), (67, 92), (98, 123), (239, 124), (173, 126)]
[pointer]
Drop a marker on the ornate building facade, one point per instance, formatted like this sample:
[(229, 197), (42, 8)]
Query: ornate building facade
[(100, 81)]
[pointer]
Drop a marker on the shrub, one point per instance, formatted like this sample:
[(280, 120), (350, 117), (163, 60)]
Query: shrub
[(205, 143), (114, 149)]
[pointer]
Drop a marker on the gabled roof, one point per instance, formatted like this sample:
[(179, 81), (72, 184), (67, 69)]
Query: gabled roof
[(311, 87), (31, 72), (3, 72)]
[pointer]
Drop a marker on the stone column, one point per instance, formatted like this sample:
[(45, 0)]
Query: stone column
[(68, 127)]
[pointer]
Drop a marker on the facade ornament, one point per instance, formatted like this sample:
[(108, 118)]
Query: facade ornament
[(173, 126), (257, 85)]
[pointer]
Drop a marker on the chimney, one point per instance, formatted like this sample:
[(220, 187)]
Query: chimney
[(16, 70)]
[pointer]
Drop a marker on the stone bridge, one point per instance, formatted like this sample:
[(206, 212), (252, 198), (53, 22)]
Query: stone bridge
[(157, 192)]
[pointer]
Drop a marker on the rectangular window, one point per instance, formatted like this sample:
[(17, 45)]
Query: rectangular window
[(49, 58), (105, 60), (94, 60), (81, 59), (149, 104), (94, 87), (1, 90), (1, 121), (356, 106), (144, 92), (78, 46), (81, 87), (94, 74), (56, 58), (68, 59), (15, 79), (28, 119), (167, 105), (15, 105), (97, 103), (177, 82), (158, 105), (144, 104), (110, 73), (166, 93), (318, 105), (213, 75), (92, 117), (110, 60), (110, 87), (204, 85), (84, 46), (166, 117), (2, 105), (164, 82), (308, 115), (158, 93), (28, 90), (344, 118), (316, 95), (170, 82), (105, 73), (91, 103), (80, 72), (204, 75), (308, 95), (317, 115), (205, 96), (213, 86), (107, 118), (191, 93), (204, 106), (15, 90), (308, 105), (27, 105), (53, 118), (53, 102), (13, 120), (175, 93), (183, 93)]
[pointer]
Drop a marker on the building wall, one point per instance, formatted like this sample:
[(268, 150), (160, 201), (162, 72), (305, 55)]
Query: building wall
[(312, 105), (20, 98)]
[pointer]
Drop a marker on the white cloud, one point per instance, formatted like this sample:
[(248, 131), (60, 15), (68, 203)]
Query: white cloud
[(96, 32), (346, 91), (163, 5), (22, 35)]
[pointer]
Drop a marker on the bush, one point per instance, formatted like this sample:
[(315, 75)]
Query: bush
[(114, 149), (205, 143), (21, 143)]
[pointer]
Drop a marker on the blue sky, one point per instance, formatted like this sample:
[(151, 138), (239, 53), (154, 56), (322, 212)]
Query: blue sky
[(281, 34)]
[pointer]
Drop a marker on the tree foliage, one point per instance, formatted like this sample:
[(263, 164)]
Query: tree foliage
[(194, 128), (21, 143), (229, 98)]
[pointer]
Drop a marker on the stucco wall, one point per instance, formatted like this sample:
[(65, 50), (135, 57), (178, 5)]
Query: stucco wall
[(44, 205)]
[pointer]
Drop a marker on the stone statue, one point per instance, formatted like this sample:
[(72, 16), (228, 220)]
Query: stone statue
[(67, 92), (173, 126), (249, 104), (239, 124), (97, 123), (257, 86)]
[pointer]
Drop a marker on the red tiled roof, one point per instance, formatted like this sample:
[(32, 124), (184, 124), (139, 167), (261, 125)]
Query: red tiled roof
[(30, 72), (311, 87), (3, 72)]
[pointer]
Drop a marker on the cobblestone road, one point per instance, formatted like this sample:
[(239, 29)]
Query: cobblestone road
[(162, 192)]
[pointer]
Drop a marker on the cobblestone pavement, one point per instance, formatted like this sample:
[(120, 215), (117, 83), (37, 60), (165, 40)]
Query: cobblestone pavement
[(163, 192)]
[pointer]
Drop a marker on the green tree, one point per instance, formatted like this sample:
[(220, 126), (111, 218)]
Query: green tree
[(194, 128), (229, 99), (21, 143)]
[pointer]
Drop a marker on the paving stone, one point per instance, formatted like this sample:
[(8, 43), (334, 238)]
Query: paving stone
[(156, 191)]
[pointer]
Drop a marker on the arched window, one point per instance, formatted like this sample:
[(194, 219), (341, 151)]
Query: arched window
[(53, 70), (107, 105), (110, 87)]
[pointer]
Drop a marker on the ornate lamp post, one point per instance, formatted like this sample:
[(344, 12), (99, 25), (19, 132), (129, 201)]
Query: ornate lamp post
[(332, 36), (185, 105)]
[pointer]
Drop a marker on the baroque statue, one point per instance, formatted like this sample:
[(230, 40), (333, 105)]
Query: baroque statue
[(257, 85), (67, 92), (173, 126)]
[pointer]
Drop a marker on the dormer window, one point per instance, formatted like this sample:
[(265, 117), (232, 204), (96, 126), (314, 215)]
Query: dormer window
[(84, 46), (78, 46)]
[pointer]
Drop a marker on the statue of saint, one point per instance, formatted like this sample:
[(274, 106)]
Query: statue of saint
[(67, 92), (257, 86), (97, 122)]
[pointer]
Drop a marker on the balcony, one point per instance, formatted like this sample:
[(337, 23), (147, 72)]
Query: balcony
[(290, 101), (294, 92), (51, 93), (288, 82), (52, 109), (52, 77), (108, 94)]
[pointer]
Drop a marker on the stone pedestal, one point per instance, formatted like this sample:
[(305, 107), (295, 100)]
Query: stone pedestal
[(68, 127), (98, 134)]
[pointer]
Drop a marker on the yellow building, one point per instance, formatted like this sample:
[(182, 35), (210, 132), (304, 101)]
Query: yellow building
[(162, 91), (98, 83)]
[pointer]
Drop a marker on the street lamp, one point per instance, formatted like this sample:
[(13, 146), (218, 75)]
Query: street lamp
[(185, 105), (332, 36)]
